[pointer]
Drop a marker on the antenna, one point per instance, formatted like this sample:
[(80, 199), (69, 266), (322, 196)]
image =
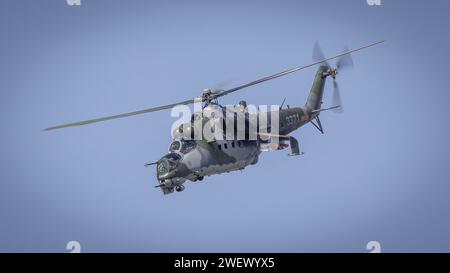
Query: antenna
[(281, 107)]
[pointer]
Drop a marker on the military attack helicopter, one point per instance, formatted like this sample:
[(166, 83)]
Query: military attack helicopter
[(192, 158)]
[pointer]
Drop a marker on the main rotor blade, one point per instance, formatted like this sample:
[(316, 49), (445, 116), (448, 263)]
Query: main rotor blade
[(292, 70), (223, 84), (79, 123), (337, 101), (216, 95)]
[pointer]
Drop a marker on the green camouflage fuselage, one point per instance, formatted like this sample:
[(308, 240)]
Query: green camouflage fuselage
[(195, 159)]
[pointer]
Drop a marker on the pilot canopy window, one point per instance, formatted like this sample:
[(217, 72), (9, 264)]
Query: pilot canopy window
[(183, 146)]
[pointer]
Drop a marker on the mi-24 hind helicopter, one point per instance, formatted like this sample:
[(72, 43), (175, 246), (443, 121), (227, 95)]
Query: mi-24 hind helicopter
[(192, 159)]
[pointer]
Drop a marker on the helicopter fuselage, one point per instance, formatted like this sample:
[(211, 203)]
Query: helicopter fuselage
[(191, 159)]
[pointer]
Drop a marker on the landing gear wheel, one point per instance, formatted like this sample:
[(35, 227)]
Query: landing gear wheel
[(179, 188), (200, 178)]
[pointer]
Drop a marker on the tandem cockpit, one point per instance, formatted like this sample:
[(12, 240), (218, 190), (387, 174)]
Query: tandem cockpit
[(168, 163), (182, 146), (177, 149)]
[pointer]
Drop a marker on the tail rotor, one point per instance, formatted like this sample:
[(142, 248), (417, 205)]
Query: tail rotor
[(343, 62)]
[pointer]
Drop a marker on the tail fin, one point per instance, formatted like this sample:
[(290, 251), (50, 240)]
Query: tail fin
[(315, 95)]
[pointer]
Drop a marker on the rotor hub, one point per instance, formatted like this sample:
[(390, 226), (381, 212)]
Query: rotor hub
[(207, 95), (333, 72)]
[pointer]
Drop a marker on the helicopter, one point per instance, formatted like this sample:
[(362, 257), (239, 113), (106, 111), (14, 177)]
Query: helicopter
[(231, 147)]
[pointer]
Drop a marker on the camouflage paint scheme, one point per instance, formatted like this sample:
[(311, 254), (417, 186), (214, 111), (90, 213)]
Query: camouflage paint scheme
[(195, 159)]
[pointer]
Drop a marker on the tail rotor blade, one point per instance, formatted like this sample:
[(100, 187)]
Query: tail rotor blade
[(317, 54), (337, 98), (345, 61)]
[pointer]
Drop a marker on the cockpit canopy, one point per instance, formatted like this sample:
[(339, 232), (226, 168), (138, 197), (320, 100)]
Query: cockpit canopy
[(172, 157), (175, 146), (182, 146), (168, 162)]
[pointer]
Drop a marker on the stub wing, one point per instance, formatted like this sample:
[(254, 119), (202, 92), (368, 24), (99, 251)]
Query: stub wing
[(278, 142)]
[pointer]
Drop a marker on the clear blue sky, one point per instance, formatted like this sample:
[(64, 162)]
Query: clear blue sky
[(381, 171)]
